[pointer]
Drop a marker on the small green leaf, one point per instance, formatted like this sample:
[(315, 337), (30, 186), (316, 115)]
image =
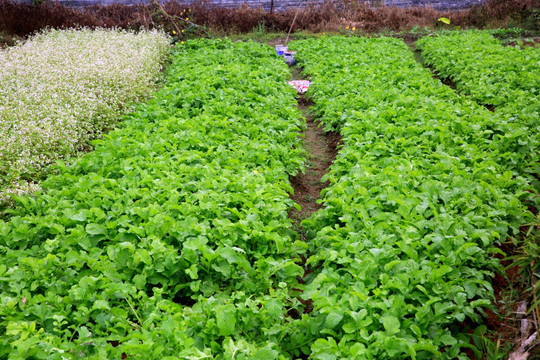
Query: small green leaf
[(349, 327), (265, 354), (101, 304), (416, 330), (444, 20), (448, 339), (96, 229), (139, 281), (80, 216), (333, 318), (226, 319), (274, 308), (391, 324), (84, 332)]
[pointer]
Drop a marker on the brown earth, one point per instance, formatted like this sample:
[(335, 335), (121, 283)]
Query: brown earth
[(532, 42), (281, 41), (321, 148)]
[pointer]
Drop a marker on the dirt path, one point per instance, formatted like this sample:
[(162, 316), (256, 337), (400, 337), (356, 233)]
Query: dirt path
[(321, 149)]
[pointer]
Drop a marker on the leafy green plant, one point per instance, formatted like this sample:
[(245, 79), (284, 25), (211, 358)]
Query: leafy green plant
[(171, 240), (506, 33), (505, 78), (259, 30), (481, 67), (419, 196), (487, 349)]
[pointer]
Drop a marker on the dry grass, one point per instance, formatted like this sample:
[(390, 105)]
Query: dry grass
[(24, 19)]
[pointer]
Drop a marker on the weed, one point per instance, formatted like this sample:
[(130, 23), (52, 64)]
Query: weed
[(487, 349), (528, 262)]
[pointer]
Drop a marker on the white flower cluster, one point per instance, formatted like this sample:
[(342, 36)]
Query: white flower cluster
[(62, 88)]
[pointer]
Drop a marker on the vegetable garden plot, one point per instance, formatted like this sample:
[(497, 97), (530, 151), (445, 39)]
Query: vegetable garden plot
[(61, 89), (482, 67), (171, 240), (507, 78), (418, 197)]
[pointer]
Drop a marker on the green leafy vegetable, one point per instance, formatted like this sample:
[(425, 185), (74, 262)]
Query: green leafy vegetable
[(172, 239), (419, 194), (504, 77)]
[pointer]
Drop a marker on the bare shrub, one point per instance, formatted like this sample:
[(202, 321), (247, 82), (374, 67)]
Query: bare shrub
[(24, 19)]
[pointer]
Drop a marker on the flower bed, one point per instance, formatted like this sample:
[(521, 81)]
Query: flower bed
[(61, 89)]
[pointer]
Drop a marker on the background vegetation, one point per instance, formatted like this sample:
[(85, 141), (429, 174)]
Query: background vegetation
[(20, 20)]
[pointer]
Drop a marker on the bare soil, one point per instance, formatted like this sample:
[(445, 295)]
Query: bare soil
[(321, 148), (281, 41), (532, 42)]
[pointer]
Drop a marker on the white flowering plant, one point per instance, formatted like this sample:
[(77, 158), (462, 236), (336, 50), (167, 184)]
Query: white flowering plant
[(63, 88)]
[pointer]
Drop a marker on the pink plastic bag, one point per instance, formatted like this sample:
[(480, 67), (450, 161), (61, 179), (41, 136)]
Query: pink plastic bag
[(300, 85)]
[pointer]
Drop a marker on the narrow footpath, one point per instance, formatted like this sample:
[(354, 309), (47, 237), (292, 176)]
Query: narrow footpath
[(321, 149)]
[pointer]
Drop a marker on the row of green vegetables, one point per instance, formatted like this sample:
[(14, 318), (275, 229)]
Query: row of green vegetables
[(505, 77), (172, 239), (419, 195), (482, 67)]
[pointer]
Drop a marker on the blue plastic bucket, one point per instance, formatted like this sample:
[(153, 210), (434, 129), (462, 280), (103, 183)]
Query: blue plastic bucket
[(289, 57), (280, 49)]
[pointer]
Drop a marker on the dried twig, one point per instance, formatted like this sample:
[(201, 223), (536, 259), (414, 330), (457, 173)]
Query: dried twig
[(522, 353), (294, 20), (173, 17), (168, 16), (292, 24), (193, 24), (536, 311), (151, 20)]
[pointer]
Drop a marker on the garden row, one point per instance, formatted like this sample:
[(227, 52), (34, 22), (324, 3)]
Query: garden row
[(503, 77), (419, 195), (171, 240), (61, 89)]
